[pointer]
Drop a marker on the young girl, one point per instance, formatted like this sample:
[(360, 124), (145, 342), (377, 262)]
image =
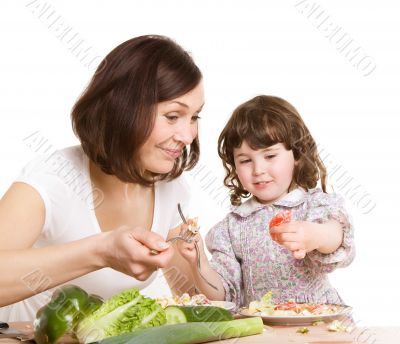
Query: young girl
[(270, 156)]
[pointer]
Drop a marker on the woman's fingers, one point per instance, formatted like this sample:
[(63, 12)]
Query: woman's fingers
[(130, 252), (150, 240)]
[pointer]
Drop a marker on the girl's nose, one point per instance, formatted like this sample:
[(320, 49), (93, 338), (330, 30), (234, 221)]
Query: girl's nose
[(258, 168)]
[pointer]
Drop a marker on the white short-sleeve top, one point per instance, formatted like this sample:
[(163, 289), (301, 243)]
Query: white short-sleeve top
[(63, 181)]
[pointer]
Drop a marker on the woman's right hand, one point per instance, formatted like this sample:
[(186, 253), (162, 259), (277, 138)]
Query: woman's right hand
[(128, 250)]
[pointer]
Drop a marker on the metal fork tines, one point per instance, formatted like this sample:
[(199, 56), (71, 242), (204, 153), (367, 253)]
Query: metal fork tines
[(187, 236)]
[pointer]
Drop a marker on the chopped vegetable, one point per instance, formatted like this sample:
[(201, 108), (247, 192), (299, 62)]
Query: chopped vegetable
[(184, 314), (265, 305), (317, 323), (184, 300), (283, 217), (190, 333), (338, 326), (67, 306), (303, 330), (122, 313), (193, 225)]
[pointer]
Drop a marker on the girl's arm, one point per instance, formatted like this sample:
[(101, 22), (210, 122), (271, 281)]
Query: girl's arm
[(178, 273), (188, 252), (308, 236), (27, 271), (182, 274), (328, 236)]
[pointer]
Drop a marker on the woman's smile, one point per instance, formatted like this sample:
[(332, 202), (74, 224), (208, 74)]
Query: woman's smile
[(171, 153)]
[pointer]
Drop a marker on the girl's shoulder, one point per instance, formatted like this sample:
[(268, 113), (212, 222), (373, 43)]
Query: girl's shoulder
[(246, 209), (317, 197)]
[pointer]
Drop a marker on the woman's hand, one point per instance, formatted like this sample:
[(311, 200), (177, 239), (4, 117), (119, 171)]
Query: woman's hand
[(300, 237), (128, 250)]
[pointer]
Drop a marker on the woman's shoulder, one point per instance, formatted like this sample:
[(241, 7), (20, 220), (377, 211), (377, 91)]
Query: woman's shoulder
[(57, 175), (56, 161)]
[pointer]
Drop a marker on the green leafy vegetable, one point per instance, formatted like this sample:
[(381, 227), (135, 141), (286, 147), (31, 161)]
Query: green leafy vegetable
[(191, 332), (122, 313)]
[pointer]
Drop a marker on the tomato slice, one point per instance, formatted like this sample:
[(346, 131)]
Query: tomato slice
[(291, 305), (283, 217)]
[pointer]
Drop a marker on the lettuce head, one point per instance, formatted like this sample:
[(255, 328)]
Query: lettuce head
[(122, 313)]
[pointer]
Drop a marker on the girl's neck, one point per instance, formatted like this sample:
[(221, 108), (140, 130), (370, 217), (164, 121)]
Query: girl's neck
[(292, 187)]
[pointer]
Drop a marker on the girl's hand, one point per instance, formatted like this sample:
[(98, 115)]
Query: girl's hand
[(188, 250), (300, 237)]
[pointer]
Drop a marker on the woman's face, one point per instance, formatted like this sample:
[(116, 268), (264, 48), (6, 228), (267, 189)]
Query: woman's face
[(175, 127)]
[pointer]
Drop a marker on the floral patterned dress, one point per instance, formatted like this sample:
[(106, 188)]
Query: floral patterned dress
[(251, 263)]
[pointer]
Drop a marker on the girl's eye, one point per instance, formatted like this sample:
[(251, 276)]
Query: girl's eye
[(245, 161), (270, 156)]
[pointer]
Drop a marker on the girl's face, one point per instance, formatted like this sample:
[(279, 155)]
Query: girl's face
[(265, 173), (175, 127)]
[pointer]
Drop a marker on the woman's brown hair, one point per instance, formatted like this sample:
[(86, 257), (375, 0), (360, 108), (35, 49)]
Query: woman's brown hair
[(115, 114), (262, 122)]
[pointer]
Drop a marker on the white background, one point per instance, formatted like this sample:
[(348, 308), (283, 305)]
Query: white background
[(243, 49)]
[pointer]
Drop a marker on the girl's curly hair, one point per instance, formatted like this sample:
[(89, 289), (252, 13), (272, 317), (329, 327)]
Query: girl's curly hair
[(262, 122)]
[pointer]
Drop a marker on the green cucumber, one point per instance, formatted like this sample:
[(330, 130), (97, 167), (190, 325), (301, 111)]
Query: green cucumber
[(184, 314), (190, 333)]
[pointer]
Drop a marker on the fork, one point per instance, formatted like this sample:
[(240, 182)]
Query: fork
[(187, 236)]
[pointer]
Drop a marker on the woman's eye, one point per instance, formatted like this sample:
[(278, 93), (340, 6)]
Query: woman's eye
[(270, 156), (171, 117), (195, 118)]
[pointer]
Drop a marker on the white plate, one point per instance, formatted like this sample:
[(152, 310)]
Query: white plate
[(224, 304), (298, 320)]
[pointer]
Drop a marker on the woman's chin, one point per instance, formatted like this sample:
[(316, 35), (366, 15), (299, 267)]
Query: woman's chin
[(162, 167)]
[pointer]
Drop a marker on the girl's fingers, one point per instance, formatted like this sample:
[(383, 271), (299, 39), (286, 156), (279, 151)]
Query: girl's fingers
[(286, 237), (284, 228), (292, 246), (186, 245), (299, 254), (183, 228)]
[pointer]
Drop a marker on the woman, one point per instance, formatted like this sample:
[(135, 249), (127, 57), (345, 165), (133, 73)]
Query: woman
[(137, 124)]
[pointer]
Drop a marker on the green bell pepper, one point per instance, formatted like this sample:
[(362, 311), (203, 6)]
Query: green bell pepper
[(68, 305)]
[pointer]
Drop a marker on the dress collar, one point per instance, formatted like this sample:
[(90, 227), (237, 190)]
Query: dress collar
[(292, 199)]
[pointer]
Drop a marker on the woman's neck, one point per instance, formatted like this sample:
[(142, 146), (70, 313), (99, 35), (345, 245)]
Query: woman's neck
[(112, 186)]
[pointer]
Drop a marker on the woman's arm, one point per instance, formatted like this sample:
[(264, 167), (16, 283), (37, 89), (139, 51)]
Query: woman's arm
[(27, 271)]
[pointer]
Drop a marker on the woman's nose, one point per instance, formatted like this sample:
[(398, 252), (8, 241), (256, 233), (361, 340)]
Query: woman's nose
[(186, 134)]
